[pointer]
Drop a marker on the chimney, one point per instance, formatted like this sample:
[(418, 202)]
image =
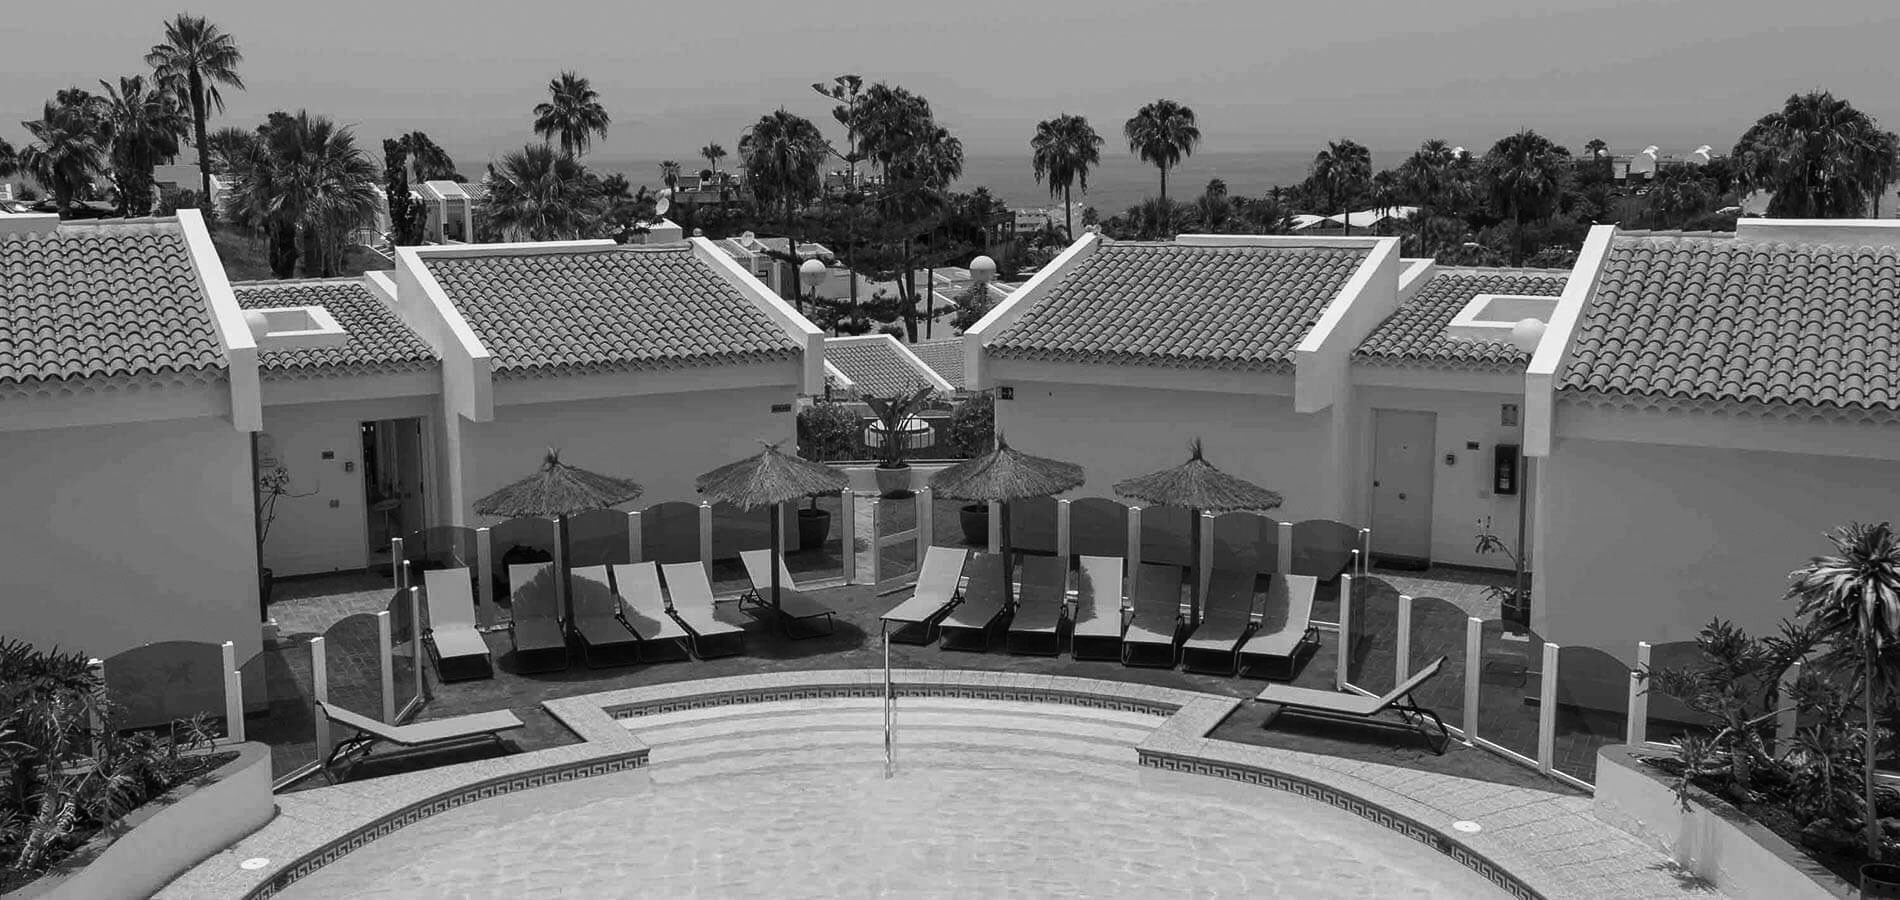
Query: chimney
[(28, 223)]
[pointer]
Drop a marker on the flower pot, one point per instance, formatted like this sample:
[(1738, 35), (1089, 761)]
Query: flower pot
[(1880, 880), (976, 523), (893, 481), (814, 525)]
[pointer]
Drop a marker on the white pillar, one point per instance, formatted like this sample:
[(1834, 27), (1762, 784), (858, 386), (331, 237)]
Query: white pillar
[(1403, 668), (233, 695), (1636, 731), (1547, 710), (635, 539), (1365, 551), (395, 562), (386, 662), (848, 534), (484, 577), (996, 526), (320, 693), (1134, 548), (1286, 547), (1062, 533), (877, 541), (706, 537), (1474, 673), (1345, 631), (926, 523), (416, 652)]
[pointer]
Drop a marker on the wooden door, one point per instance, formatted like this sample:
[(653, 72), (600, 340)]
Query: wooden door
[(1403, 448)]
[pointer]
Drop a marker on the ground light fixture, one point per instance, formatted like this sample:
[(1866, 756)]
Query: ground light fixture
[(1466, 826), (254, 863)]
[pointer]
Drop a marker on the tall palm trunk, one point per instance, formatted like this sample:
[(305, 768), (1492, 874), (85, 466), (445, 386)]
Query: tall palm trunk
[(1068, 213), (198, 137), (1867, 763), (1164, 184)]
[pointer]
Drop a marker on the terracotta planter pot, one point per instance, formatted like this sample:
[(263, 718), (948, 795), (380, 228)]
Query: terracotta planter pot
[(893, 481), (1880, 880), (814, 526), (976, 523)]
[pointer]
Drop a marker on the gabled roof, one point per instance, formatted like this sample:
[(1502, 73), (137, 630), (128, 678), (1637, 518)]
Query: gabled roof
[(945, 357), (610, 309), (102, 300), (880, 365), (1742, 321), (379, 342), (1180, 305), (1415, 333)]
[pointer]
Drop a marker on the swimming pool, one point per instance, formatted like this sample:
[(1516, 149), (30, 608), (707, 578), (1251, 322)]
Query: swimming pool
[(962, 824)]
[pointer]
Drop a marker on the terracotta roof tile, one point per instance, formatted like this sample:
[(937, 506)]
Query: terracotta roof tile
[(379, 340), (1415, 333), (875, 365), (615, 309), (102, 300), (945, 356), (1168, 304), (1721, 319)]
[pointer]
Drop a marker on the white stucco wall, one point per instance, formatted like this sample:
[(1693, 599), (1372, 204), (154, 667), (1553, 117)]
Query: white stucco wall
[(1461, 493), (662, 441), (1649, 542), (129, 533), (309, 535), (1120, 432)]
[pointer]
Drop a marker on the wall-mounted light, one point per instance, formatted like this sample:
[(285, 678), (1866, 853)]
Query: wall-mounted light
[(1005, 393), (1451, 459)]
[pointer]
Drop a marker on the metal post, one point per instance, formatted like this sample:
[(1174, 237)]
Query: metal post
[(1474, 672), (996, 526), (848, 535), (1403, 663), (484, 577), (1062, 533), (926, 523), (561, 610), (1636, 731), (1547, 710), (706, 537), (1204, 565), (395, 563), (320, 693), (233, 695), (1285, 564), (1345, 631), (633, 537), (386, 657), (415, 640)]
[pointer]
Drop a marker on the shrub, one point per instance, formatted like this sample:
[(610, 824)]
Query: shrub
[(973, 426), (827, 431)]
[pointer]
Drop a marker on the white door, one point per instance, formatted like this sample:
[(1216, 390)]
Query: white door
[(1403, 447)]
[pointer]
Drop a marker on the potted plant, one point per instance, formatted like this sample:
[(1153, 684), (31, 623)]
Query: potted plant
[(1514, 599), (272, 485), (826, 431), (973, 432), (893, 473)]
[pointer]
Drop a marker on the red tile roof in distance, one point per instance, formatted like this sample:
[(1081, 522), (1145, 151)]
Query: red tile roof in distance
[(624, 308), (1174, 305), (874, 366), (944, 356), (379, 342), (1414, 335), (102, 300), (1721, 319)]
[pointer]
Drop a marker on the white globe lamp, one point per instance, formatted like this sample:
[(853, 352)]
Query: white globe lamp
[(812, 273), (1526, 335), (982, 270)]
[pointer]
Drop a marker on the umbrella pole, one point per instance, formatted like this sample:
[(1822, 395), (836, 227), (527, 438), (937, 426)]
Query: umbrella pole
[(567, 564), (777, 561), (1194, 590), (1008, 576)]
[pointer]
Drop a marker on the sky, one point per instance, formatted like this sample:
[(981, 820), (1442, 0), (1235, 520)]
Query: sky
[(1261, 75)]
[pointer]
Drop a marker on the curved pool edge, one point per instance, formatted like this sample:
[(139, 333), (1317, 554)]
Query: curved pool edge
[(315, 828)]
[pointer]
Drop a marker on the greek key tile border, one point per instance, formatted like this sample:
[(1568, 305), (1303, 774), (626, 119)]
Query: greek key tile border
[(440, 803), (1334, 797), (825, 692)]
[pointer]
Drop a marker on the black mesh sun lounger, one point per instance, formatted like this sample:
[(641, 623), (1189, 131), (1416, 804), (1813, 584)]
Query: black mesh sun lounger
[(914, 621), (972, 623), (433, 733), (1213, 647), (606, 640), (1153, 632), (1358, 707), (1037, 625), (793, 605), (1099, 621), (710, 633), (643, 608), (1281, 644), (459, 652), (539, 638)]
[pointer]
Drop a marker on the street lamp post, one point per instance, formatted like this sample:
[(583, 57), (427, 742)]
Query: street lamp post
[(811, 274), (982, 272)]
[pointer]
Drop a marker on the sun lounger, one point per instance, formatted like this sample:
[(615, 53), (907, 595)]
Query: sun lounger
[(1357, 707), (643, 608), (1279, 646), (1099, 620), (710, 633), (1153, 636), (1036, 626), (971, 624), (793, 604), (1213, 647), (433, 733), (938, 587), (457, 648), (605, 637), (538, 630)]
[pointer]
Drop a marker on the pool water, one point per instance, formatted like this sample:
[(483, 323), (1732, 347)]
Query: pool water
[(962, 825)]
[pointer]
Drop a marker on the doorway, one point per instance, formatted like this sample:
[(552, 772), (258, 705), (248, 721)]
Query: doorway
[(1404, 443), (393, 481)]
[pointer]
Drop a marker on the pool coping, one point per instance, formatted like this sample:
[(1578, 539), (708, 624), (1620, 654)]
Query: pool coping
[(315, 828)]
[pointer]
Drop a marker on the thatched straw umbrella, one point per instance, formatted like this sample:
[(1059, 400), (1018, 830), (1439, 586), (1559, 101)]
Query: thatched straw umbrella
[(770, 479), (557, 491), (1006, 474), (1199, 487)]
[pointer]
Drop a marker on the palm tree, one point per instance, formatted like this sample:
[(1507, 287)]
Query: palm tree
[(1854, 601), (535, 194), (670, 174), (1522, 173), (1596, 148), (573, 113), (226, 144), (304, 184), (713, 153), (1164, 133), (146, 127), (1818, 155), (68, 147), (1343, 172), (1063, 151), (9, 159), (196, 58), (783, 155)]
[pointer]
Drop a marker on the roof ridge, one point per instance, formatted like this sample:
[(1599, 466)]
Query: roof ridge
[(1735, 240)]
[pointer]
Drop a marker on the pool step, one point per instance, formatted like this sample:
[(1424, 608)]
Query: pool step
[(868, 761), (1053, 712), (907, 721)]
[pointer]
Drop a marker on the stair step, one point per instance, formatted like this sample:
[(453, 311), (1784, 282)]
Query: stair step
[(1050, 711), (871, 721), (869, 761), (818, 746)]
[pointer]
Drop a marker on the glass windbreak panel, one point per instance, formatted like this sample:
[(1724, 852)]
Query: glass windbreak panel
[(669, 532), (1098, 527), (1166, 536), (1241, 543), (406, 649), (1438, 630), (598, 537), (735, 530), (1669, 718), (277, 705), (817, 548), (1323, 548), (1032, 526), (896, 542), (518, 542), (354, 665), (1592, 708), (959, 523), (157, 686), (1508, 684), (1375, 639)]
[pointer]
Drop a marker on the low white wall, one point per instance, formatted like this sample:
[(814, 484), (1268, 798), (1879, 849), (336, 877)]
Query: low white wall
[(1461, 492), (1713, 840), (309, 535), (169, 835)]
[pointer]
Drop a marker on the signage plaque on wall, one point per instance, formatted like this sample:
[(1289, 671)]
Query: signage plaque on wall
[(781, 407)]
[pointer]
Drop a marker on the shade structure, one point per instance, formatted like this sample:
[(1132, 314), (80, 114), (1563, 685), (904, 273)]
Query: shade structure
[(1006, 474), (1199, 487), (558, 490), (768, 479)]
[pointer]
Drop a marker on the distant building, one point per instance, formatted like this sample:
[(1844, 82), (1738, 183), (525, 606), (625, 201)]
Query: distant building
[(782, 277)]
